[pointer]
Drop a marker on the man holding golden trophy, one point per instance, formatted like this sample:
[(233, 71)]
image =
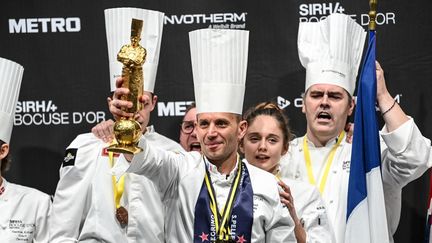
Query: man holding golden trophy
[(214, 196), (91, 204)]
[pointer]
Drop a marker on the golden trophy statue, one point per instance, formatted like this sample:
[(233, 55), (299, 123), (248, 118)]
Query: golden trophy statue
[(127, 131)]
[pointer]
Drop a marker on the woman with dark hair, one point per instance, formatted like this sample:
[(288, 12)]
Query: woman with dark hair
[(23, 210), (265, 141)]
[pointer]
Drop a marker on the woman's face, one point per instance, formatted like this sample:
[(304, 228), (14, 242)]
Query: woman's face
[(263, 143)]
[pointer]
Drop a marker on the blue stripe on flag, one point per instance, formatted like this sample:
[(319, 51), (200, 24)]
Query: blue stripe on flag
[(366, 144)]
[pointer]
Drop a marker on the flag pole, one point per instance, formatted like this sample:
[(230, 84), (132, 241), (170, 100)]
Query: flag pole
[(372, 14)]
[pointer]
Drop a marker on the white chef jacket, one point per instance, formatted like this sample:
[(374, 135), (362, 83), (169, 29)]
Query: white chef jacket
[(179, 178), (84, 207), (405, 156), (23, 214), (311, 211)]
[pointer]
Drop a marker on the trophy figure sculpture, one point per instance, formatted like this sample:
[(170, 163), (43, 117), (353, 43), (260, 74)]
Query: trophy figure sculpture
[(127, 131)]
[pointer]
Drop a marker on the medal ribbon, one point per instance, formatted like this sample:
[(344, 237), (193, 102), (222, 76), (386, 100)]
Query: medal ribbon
[(327, 164), (117, 186), (235, 222), (222, 220), (278, 176)]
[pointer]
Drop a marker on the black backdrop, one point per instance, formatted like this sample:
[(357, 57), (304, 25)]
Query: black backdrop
[(62, 46)]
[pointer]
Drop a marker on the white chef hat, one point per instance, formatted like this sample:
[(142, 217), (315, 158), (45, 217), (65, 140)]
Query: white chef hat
[(331, 51), (118, 28), (219, 62), (10, 82)]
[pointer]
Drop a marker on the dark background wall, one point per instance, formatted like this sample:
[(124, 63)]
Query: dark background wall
[(62, 46)]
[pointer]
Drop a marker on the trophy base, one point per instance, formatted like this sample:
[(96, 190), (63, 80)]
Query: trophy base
[(123, 149)]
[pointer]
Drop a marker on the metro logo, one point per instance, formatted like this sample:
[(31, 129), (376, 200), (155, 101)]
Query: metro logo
[(171, 108), (44, 25)]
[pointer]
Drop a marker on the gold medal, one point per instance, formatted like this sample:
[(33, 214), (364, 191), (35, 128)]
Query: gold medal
[(122, 215)]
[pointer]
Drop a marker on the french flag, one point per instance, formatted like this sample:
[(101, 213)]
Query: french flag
[(366, 214)]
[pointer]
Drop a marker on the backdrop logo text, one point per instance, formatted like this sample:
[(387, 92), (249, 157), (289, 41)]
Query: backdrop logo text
[(213, 20), (298, 102), (172, 108), (44, 25), (45, 113), (315, 12)]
